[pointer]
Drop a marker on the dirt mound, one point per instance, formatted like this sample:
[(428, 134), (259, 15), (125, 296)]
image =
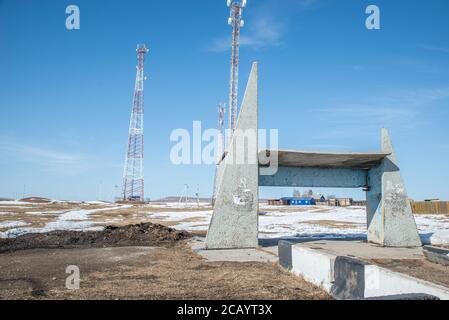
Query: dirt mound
[(145, 234), (36, 200)]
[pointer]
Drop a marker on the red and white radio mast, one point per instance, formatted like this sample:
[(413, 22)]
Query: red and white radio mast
[(133, 180)]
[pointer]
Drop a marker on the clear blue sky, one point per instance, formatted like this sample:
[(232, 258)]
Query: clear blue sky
[(326, 82)]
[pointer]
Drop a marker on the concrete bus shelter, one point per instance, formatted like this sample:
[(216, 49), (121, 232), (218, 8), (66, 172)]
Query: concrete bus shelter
[(234, 223)]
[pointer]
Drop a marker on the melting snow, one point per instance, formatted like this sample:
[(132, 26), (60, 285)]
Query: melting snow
[(12, 224), (274, 222), (76, 220), (314, 222), (177, 216), (15, 203)]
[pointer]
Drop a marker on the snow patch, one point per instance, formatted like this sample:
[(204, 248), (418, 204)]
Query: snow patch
[(177, 205), (99, 202), (12, 224), (176, 216), (76, 220), (43, 213), (16, 203)]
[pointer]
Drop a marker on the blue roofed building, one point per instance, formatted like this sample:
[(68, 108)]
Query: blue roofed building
[(291, 201)]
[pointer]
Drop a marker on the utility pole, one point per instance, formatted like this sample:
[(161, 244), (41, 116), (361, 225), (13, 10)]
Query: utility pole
[(184, 195), (197, 194), (115, 193)]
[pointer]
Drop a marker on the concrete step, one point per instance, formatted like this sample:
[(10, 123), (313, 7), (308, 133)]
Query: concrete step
[(328, 265)]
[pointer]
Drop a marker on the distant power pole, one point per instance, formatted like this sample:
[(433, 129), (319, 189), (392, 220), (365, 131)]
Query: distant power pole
[(236, 21), (115, 192), (133, 180), (197, 194), (184, 195)]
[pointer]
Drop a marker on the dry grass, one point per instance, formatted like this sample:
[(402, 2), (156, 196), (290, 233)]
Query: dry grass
[(136, 273), (139, 273), (37, 215), (334, 224)]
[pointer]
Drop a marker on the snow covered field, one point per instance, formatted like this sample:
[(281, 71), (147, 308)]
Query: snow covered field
[(314, 222), (274, 221), (77, 220)]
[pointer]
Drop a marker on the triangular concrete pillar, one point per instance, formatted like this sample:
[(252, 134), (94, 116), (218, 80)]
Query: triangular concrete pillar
[(234, 222), (390, 219)]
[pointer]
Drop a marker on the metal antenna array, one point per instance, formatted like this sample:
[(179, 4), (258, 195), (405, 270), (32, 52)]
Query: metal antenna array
[(220, 143), (221, 127), (184, 196), (133, 180), (236, 21)]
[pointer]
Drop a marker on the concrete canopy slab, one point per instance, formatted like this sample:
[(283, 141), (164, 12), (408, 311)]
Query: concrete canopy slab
[(311, 159), (315, 178)]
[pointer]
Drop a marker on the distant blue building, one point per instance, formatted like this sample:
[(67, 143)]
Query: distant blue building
[(298, 201)]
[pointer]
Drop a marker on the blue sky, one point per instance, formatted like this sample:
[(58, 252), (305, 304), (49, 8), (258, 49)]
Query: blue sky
[(327, 83)]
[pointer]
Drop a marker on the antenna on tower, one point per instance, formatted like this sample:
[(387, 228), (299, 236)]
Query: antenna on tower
[(133, 181), (236, 21)]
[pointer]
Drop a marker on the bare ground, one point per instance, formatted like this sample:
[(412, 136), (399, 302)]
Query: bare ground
[(145, 273), (144, 261)]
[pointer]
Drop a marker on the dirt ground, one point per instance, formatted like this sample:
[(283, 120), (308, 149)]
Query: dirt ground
[(144, 234), (144, 273), (145, 261)]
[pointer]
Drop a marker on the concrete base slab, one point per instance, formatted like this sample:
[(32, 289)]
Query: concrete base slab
[(232, 255), (344, 269), (364, 250), (437, 255), (406, 297)]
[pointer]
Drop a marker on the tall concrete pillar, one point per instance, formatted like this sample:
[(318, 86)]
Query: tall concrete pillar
[(234, 223), (390, 219)]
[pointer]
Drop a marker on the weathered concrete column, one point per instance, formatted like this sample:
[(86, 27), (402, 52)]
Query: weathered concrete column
[(234, 223), (390, 219)]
